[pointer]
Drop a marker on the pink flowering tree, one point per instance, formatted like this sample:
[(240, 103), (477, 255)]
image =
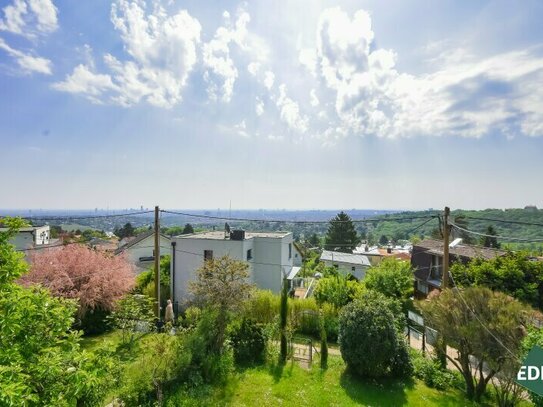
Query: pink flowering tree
[(97, 280)]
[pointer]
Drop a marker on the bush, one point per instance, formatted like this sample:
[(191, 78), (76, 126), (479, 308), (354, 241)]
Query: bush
[(248, 342), (95, 322), (430, 371), (262, 307), (365, 324), (337, 290)]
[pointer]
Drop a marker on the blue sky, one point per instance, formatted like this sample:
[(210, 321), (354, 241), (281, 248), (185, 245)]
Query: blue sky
[(305, 104)]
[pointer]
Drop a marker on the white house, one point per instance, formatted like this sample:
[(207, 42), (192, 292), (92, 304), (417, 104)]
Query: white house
[(30, 237), (269, 255), (140, 251), (346, 263)]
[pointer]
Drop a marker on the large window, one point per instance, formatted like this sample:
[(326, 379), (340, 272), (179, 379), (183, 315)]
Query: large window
[(208, 254), (249, 254)]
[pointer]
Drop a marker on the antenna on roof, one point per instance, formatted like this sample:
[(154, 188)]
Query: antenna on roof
[(226, 230)]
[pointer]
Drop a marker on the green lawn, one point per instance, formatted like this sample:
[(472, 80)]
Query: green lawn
[(294, 386)]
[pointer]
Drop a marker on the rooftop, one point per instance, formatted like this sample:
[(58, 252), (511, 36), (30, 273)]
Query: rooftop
[(349, 258), (433, 246), (219, 235), (26, 229)]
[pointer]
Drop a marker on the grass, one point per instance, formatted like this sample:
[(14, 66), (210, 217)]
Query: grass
[(290, 385)]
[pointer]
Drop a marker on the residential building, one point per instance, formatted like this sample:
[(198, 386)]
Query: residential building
[(30, 237), (427, 261), (298, 255), (140, 250), (269, 255), (347, 263), (376, 254)]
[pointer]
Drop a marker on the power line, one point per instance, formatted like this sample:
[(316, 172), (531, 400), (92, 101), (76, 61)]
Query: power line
[(515, 222), (496, 236), (368, 220)]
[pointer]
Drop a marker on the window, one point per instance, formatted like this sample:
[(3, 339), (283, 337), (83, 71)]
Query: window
[(422, 287), (290, 250), (353, 268), (208, 254), (249, 254)]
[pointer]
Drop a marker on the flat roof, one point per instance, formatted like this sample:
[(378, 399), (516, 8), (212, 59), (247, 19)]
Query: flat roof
[(219, 235), (25, 229)]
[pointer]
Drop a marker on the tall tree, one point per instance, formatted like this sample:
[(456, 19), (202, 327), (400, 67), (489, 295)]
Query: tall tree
[(222, 286), (314, 240), (341, 235), (482, 326), (393, 278), (491, 240), (188, 229), (283, 320), (126, 231)]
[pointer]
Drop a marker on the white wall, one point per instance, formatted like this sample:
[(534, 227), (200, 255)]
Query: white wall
[(346, 268), (270, 260), (145, 248)]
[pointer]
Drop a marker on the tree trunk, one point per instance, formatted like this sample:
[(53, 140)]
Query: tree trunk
[(468, 377)]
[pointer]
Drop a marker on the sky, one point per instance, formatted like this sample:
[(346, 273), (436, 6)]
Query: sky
[(271, 104)]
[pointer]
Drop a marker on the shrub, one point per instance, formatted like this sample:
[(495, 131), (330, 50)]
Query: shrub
[(248, 342), (365, 324), (95, 322), (337, 290), (430, 371), (262, 307), (132, 314)]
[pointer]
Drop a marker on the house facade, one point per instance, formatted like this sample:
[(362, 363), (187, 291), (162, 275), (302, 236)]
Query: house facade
[(31, 237), (269, 255), (347, 263), (427, 261), (140, 251)]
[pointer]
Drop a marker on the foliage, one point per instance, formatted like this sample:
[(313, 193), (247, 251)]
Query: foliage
[(477, 323), (221, 284), (514, 274), (91, 277), (490, 240), (364, 323), (145, 281), (262, 307), (314, 240), (283, 320), (533, 337), (166, 357), (337, 290), (192, 317), (430, 371), (188, 229), (126, 231), (341, 235), (392, 277), (133, 316), (248, 341), (324, 342), (40, 359)]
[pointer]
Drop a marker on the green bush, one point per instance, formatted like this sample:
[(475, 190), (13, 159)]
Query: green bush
[(248, 342), (365, 326), (95, 322), (263, 307), (430, 371)]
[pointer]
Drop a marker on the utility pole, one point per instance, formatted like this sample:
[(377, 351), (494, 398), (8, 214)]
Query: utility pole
[(446, 229), (157, 263)]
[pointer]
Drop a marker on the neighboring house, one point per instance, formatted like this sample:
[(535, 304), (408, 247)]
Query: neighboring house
[(347, 263), (140, 250), (427, 261), (269, 255), (298, 255), (30, 237), (375, 254)]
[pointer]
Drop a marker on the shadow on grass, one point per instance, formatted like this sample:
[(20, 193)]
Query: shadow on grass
[(382, 392)]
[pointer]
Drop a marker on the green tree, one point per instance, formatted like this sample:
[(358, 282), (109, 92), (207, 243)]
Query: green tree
[(341, 235), (188, 229), (283, 320), (221, 285), (314, 240), (383, 240), (324, 340), (133, 316), (337, 290), (490, 240), (145, 281), (479, 323), (369, 322), (393, 278), (126, 231), (515, 274), (41, 363)]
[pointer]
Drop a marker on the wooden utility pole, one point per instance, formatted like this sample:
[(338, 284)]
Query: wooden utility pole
[(446, 230), (157, 263)]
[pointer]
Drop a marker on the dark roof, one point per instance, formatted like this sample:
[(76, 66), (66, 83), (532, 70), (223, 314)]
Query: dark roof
[(137, 239), (434, 246)]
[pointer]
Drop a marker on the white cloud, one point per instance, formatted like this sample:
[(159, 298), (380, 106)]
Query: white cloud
[(30, 19), (163, 52), (314, 99), (26, 62), (289, 111), (465, 96), (269, 78), (83, 80), (259, 107)]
